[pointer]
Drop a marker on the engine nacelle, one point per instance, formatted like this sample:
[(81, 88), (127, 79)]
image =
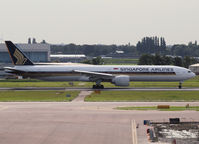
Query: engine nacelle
[(121, 80)]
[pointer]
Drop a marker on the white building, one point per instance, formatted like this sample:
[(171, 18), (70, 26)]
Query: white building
[(67, 57), (194, 68)]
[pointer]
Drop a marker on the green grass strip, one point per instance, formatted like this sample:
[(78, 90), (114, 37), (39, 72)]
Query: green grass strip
[(37, 96), (187, 84), (37, 83), (172, 108), (143, 96)]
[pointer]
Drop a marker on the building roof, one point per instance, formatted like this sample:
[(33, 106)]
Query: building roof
[(67, 56), (28, 47), (67, 63), (195, 65), (119, 52)]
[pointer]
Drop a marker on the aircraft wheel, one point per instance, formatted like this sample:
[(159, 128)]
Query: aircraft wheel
[(94, 86), (98, 86), (102, 86)]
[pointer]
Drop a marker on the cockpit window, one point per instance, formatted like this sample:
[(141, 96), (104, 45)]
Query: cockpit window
[(189, 71)]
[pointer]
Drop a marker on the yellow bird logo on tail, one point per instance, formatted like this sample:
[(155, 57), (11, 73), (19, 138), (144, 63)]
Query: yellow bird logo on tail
[(20, 58)]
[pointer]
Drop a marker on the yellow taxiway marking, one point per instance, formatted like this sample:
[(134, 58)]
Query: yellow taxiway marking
[(134, 132)]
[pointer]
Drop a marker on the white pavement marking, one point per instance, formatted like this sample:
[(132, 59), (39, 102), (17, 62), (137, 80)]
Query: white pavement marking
[(3, 108), (81, 96), (134, 132)]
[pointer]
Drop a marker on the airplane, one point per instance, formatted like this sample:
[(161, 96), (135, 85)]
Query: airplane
[(119, 75)]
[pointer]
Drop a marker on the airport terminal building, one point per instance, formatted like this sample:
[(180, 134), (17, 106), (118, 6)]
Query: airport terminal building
[(36, 52)]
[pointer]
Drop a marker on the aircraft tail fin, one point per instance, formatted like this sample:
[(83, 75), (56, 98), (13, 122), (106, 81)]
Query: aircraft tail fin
[(17, 57)]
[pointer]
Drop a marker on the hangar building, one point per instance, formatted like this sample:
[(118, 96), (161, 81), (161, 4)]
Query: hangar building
[(36, 52)]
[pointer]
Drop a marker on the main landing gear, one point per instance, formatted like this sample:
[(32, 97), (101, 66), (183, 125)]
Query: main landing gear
[(180, 85), (98, 85)]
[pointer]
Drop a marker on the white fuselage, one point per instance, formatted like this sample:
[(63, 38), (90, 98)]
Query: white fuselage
[(135, 73)]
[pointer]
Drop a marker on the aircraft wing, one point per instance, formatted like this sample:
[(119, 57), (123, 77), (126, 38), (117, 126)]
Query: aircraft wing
[(95, 74)]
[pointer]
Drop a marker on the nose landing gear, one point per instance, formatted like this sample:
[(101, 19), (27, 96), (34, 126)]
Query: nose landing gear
[(180, 85)]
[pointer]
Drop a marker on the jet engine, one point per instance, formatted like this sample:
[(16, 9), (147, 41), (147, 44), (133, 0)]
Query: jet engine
[(121, 80)]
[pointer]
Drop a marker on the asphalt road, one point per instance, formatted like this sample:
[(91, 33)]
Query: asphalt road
[(79, 122), (90, 89)]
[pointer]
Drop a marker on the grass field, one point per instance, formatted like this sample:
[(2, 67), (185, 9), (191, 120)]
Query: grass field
[(146, 96), (89, 84), (36, 83), (37, 96), (172, 108)]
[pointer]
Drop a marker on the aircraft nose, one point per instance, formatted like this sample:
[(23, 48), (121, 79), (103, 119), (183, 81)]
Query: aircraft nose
[(193, 74)]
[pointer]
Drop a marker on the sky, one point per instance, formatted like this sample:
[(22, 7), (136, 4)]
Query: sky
[(99, 21)]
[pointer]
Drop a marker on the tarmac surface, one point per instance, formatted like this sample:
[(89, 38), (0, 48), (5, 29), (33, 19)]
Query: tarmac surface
[(81, 122), (89, 89)]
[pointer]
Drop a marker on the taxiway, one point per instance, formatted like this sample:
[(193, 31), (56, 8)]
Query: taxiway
[(90, 89), (80, 122)]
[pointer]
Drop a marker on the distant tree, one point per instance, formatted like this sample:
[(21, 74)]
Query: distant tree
[(178, 50), (178, 61), (167, 60), (158, 60), (43, 42), (150, 45), (196, 43), (94, 61), (187, 61), (34, 41), (147, 45), (94, 50), (194, 60), (97, 61), (162, 44), (87, 61), (191, 50), (146, 59), (139, 47), (29, 40)]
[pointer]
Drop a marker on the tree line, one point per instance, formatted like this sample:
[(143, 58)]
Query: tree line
[(157, 59), (93, 50), (95, 61), (192, 49), (148, 45), (151, 45)]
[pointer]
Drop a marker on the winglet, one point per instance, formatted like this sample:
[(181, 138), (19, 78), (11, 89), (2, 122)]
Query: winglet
[(17, 57)]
